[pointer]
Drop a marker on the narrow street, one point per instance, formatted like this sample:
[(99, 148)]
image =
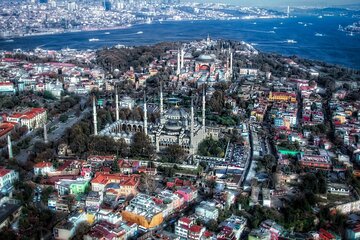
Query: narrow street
[(53, 135)]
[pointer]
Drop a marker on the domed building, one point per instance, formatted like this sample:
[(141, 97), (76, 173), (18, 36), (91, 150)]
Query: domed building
[(205, 63), (209, 70), (176, 125)]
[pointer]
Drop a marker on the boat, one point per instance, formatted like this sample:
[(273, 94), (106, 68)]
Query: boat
[(140, 32), (319, 35), (291, 41), (272, 32), (320, 16), (305, 25), (107, 33), (9, 40), (94, 40), (275, 28)]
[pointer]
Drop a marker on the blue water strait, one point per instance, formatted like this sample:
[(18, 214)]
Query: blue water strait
[(314, 38)]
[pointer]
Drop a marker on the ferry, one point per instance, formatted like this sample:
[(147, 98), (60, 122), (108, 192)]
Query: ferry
[(94, 40), (140, 32), (107, 33), (291, 41), (9, 40)]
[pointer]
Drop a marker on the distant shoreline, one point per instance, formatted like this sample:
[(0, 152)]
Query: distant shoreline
[(63, 31)]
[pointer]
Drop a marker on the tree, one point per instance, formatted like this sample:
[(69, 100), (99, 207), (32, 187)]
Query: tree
[(211, 147), (141, 146), (217, 102), (211, 184), (82, 229), (268, 161), (49, 95), (174, 154), (115, 166), (149, 183), (212, 225)]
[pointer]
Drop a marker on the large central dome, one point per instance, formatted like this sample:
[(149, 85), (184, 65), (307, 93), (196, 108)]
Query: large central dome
[(206, 58), (176, 113)]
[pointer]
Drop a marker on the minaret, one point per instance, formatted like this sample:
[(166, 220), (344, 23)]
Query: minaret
[(117, 104), (182, 57), (203, 108), (145, 115), (45, 134), (10, 147), (231, 62), (178, 62), (161, 104), (94, 117), (192, 127), (157, 142)]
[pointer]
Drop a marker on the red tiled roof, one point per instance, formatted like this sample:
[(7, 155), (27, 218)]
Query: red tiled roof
[(43, 164), (6, 127), (185, 220), (195, 228), (29, 114), (100, 158), (6, 84), (208, 234), (4, 171), (104, 178)]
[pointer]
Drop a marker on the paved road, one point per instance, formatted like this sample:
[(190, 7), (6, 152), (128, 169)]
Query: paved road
[(53, 135)]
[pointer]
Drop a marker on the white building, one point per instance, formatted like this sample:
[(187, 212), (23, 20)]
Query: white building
[(7, 88), (7, 179), (33, 118), (55, 88), (182, 227), (338, 189), (43, 168), (207, 211), (127, 102)]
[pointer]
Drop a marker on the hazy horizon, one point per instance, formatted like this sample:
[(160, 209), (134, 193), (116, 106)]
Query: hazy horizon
[(280, 3)]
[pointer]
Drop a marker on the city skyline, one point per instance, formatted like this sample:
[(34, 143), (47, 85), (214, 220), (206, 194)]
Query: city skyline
[(280, 3)]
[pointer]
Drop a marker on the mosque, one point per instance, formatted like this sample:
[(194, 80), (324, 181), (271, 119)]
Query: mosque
[(176, 125)]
